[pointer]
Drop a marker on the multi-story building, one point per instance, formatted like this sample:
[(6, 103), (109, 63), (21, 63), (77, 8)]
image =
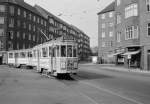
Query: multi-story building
[(106, 36), (133, 32), (22, 26)]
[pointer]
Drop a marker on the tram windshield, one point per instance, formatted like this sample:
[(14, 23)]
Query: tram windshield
[(68, 51), (63, 51)]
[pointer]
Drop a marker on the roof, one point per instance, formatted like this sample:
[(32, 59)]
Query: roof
[(110, 7), (45, 13), (23, 4)]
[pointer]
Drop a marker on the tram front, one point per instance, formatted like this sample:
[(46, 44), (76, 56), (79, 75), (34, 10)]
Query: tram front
[(69, 58)]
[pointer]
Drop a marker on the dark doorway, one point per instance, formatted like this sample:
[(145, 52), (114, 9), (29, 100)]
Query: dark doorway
[(148, 61), (1, 59)]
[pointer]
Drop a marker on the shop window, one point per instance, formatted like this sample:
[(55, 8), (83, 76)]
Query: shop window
[(2, 20)]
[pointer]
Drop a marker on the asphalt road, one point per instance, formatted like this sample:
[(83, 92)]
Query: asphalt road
[(92, 85)]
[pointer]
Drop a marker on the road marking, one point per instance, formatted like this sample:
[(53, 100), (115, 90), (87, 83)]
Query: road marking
[(92, 100), (108, 91)]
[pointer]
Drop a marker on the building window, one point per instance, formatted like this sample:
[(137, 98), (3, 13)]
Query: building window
[(118, 2), (1, 44), (24, 35), (25, 14), (110, 34), (29, 26), (1, 32), (18, 34), (33, 37), (118, 18), (34, 28), (11, 34), (103, 16), (148, 5), (19, 11), (38, 20), (34, 18), (2, 19), (2, 8), (131, 32), (11, 10), (24, 46), (136, 32), (18, 23), (118, 37), (131, 10), (10, 45), (29, 36), (148, 29), (24, 25), (42, 21), (103, 25), (30, 16), (103, 44), (17, 45), (110, 14), (103, 34), (11, 22), (111, 24)]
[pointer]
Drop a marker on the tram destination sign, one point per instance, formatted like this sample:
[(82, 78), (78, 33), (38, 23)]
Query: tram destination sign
[(67, 37)]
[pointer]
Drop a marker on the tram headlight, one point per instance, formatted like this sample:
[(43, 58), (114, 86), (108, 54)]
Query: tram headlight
[(75, 65)]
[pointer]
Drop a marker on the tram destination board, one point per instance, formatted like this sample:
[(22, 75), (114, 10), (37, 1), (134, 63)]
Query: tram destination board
[(68, 38)]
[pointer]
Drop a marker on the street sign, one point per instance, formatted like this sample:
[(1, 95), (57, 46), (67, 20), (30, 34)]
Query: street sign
[(129, 56)]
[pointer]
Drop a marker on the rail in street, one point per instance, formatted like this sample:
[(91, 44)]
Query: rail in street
[(92, 85)]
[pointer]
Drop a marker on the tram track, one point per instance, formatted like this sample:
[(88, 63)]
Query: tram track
[(78, 85)]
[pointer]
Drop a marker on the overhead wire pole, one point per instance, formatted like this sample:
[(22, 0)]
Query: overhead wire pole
[(43, 34)]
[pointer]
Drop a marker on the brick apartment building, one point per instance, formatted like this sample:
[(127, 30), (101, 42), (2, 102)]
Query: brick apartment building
[(132, 33), (21, 25), (106, 36)]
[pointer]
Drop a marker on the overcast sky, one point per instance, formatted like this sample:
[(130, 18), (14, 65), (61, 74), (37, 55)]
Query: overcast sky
[(80, 13)]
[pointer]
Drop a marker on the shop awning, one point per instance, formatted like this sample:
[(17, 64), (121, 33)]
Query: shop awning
[(131, 53), (114, 54)]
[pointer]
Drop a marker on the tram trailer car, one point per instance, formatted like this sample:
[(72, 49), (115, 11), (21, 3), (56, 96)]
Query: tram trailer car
[(56, 57)]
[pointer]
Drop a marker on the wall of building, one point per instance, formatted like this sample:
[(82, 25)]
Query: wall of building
[(51, 26), (105, 51)]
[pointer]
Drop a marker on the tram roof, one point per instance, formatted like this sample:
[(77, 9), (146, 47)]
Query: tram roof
[(60, 40)]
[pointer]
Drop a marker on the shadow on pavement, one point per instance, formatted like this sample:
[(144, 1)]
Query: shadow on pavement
[(86, 75)]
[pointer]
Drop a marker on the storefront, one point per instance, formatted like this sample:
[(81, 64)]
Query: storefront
[(132, 57), (119, 56), (3, 57)]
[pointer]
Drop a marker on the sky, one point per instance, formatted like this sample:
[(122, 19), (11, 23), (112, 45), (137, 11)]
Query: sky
[(80, 13)]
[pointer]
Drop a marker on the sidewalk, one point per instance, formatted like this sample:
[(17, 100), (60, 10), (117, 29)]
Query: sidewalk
[(119, 68)]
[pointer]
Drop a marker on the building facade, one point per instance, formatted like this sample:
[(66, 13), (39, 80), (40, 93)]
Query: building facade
[(22, 26), (106, 36), (128, 48)]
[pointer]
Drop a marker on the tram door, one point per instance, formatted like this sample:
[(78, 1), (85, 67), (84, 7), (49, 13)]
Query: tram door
[(148, 60), (54, 64), (38, 59), (16, 58)]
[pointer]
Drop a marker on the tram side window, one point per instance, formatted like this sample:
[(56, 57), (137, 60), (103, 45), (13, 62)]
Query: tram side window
[(50, 51), (63, 51), (54, 52), (29, 54), (22, 54), (74, 51), (16, 55), (69, 51), (34, 53), (44, 52), (10, 55), (58, 54)]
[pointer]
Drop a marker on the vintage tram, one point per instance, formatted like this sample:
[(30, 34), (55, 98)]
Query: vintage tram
[(56, 57)]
